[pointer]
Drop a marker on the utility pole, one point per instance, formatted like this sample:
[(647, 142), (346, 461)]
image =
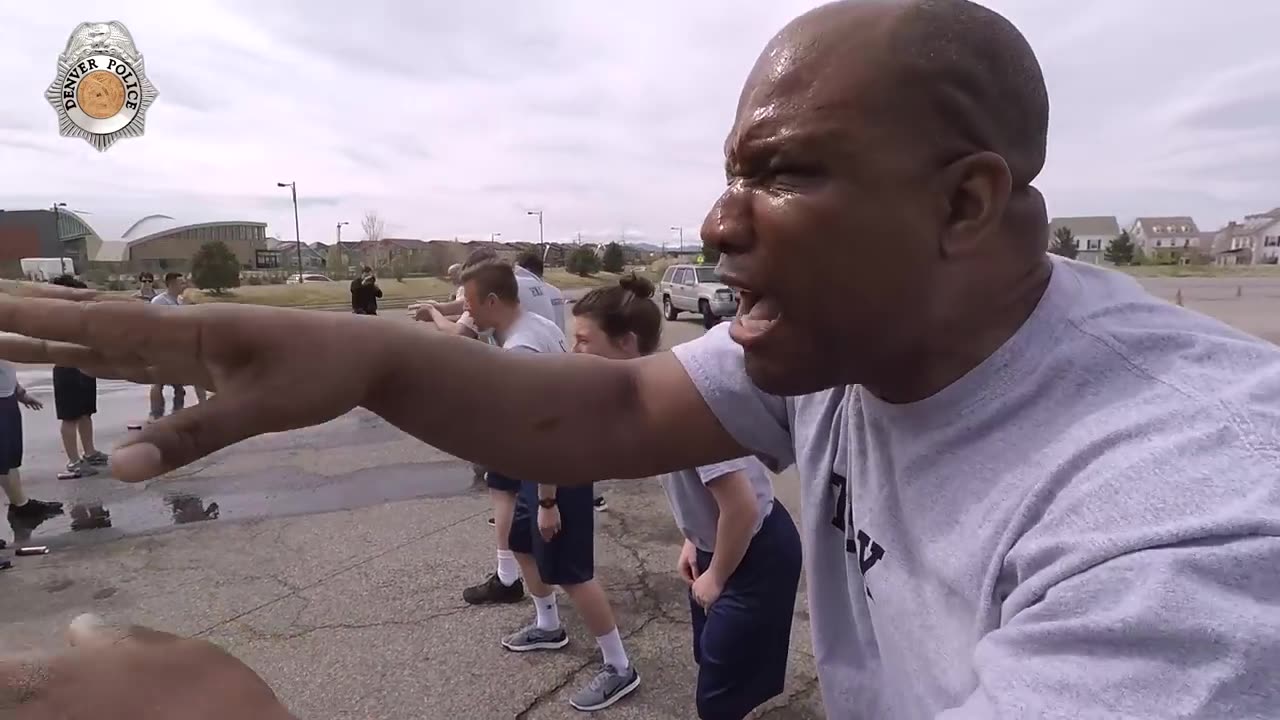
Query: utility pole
[(680, 229), (579, 240), (342, 256), (541, 241), (297, 231)]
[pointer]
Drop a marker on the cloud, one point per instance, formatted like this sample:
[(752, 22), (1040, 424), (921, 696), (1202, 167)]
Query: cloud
[(455, 118)]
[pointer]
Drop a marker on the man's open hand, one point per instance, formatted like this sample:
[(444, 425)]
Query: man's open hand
[(134, 673), (272, 369)]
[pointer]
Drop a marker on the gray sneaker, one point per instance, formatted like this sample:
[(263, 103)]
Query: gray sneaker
[(531, 638), (77, 470), (96, 459), (606, 688)]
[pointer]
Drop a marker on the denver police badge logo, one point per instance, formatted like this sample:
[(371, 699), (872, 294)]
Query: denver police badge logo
[(102, 92)]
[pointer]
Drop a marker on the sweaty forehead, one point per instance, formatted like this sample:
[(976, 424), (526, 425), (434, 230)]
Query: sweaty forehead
[(812, 85)]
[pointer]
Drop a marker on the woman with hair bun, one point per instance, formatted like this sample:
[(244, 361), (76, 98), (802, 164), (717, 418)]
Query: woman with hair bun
[(741, 555)]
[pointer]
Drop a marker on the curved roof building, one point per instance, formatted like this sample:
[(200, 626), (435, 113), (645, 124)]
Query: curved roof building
[(165, 240)]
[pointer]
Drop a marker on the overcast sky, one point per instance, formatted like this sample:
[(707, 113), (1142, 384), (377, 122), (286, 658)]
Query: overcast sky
[(454, 120)]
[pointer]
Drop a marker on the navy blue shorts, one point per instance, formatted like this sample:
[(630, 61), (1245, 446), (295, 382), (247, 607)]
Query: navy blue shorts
[(501, 482), (570, 557), (75, 395), (741, 644), (10, 434)]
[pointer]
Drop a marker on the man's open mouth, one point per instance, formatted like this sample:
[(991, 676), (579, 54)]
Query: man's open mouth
[(756, 315)]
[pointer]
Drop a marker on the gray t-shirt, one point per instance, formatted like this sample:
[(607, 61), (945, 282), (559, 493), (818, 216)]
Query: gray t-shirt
[(532, 332), (1084, 526), (165, 298), (695, 508)]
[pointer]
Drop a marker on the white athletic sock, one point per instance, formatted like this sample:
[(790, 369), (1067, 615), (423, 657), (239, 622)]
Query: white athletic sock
[(508, 568), (611, 648), (548, 611)]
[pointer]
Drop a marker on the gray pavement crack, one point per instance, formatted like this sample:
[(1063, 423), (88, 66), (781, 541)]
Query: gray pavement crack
[(304, 631), (339, 571)]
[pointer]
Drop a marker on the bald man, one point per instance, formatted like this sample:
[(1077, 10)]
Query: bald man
[(1029, 489)]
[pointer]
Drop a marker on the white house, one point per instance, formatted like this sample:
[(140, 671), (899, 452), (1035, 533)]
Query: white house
[(1256, 241), (1166, 237), (1092, 233)]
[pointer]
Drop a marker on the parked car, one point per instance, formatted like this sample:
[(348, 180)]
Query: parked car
[(697, 288), (308, 277)]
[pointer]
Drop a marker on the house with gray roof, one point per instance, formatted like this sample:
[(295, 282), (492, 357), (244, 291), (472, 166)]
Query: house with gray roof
[(1169, 239), (1092, 233), (1255, 241)]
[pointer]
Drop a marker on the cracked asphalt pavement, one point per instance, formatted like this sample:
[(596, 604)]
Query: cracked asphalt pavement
[(334, 567)]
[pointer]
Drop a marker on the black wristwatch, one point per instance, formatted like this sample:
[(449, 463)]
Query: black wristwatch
[(547, 503)]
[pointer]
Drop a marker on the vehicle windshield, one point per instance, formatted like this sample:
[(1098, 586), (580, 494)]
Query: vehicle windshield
[(707, 274)]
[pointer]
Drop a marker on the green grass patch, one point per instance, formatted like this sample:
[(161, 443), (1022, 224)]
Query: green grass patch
[(1176, 271)]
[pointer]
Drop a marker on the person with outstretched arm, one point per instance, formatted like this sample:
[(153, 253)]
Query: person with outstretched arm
[(1029, 488)]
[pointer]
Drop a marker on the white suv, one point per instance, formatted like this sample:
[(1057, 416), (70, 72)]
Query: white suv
[(696, 288)]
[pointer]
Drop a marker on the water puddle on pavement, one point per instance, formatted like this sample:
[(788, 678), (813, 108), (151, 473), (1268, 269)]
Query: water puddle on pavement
[(123, 510)]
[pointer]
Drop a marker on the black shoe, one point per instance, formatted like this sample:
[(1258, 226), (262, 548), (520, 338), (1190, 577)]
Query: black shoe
[(27, 517), (491, 522), (37, 510), (599, 505), (493, 592)]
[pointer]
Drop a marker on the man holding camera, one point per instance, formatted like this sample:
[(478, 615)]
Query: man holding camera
[(365, 293)]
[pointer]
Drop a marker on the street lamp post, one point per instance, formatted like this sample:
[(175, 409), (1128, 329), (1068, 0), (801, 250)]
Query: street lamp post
[(297, 232), (493, 236), (342, 258), (680, 230), (539, 214), (57, 223)]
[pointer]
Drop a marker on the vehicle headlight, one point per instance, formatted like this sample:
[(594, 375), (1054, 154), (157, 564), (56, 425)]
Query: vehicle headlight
[(724, 294)]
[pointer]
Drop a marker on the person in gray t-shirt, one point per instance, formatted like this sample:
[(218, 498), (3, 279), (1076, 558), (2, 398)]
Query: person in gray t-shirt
[(1028, 488), (741, 555)]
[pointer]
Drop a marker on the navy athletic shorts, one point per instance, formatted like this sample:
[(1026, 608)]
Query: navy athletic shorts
[(570, 557), (496, 481), (741, 644), (75, 395), (10, 434)]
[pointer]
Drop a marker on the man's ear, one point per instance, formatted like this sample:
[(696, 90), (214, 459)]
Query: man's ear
[(976, 189)]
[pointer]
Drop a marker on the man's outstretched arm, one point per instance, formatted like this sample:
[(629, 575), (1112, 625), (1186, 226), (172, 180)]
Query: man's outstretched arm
[(556, 419), (564, 419)]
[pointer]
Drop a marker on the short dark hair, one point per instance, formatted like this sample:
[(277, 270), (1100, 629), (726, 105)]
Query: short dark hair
[(478, 256), (366, 268), (625, 308), (171, 276), (68, 280), (532, 262), (493, 277), (144, 275)]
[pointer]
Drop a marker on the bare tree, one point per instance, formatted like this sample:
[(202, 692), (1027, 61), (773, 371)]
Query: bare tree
[(372, 226)]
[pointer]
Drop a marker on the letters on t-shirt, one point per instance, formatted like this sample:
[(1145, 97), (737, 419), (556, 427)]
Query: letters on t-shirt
[(856, 541)]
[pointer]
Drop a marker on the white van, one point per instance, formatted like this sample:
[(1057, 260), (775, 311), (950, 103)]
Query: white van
[(46, 269)]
